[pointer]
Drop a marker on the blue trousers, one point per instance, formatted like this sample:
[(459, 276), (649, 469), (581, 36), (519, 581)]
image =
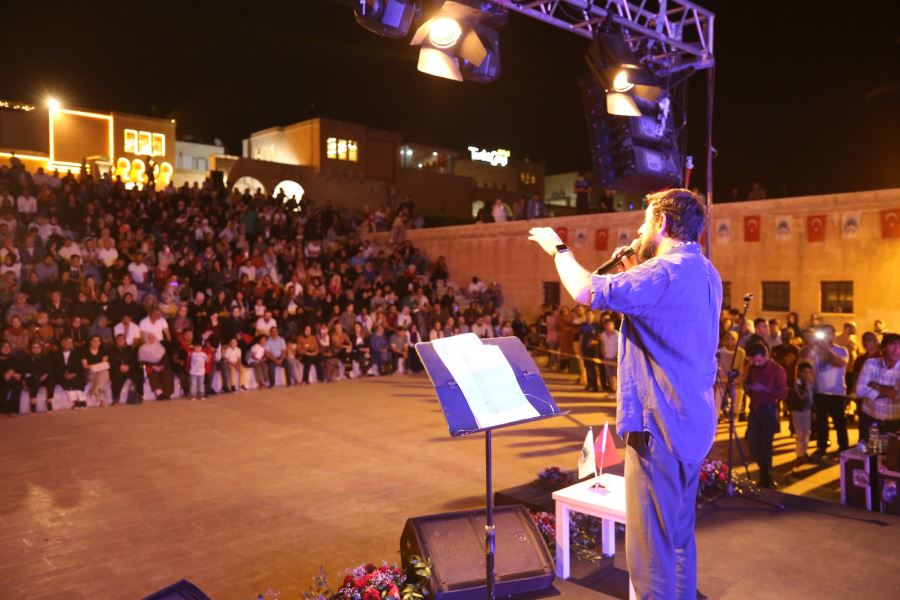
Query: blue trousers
[(660, 500)]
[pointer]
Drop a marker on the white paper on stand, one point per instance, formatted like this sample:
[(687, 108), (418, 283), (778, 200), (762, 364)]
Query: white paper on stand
[(486, 379)]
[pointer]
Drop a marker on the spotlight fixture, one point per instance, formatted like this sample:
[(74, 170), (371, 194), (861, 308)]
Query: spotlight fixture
[(390, 18), (616, 69), (458, 44), (53, 103)]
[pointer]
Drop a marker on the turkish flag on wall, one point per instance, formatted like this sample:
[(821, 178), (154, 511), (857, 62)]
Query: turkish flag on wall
[(815, 228), (563, 234), (752, 226), (601, 239), (890, 223)]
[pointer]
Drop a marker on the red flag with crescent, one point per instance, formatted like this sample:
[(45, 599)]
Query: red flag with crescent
[(752, 226), (601, 239), (815, 228), (563, 233), (890, 223)]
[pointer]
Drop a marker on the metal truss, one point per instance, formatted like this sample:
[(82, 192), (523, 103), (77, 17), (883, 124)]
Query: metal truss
[(668, 35)]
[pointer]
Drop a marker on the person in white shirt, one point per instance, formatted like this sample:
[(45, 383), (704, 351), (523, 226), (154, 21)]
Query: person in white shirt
[(609, 348), (129, 329), (231, 355), (265, 323), (256, 361), (138, 269), (197, 370), (26, 205), (155, 324), (108, 254), (830, 398)]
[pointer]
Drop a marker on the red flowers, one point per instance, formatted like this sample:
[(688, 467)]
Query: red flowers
[(371, 594)]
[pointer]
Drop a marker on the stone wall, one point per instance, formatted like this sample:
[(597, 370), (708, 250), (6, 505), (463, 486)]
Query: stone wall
[(501, 252)]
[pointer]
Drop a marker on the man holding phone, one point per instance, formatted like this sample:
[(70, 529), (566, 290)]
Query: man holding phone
[(830, 398)]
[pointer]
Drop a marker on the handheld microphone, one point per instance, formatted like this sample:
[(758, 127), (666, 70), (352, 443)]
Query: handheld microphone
[(616, 260)]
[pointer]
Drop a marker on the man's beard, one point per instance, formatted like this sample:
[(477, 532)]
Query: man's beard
[(646, 249)]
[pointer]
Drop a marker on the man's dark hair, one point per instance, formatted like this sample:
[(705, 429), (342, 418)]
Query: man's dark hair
[(684, 211), (757, 349), (759, 321), (804, 365), (888, 339)]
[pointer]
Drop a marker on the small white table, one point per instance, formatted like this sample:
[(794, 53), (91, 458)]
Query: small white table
[(606, 503)]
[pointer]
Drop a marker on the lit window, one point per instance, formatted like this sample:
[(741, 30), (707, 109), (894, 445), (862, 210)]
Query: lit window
[(131, 141), (159, 144), (145, 145), (341, 149)]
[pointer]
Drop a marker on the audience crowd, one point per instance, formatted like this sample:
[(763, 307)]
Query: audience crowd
[(805, 374), (115, 295), (109, 294)]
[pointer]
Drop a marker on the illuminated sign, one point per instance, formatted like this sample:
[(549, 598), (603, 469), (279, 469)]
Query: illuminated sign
[(145, 143), (494, 157)]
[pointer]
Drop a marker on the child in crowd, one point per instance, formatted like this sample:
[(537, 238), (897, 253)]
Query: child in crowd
[(198, 360), (256, 361)]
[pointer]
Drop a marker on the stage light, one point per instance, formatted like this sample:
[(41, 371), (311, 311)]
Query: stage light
[(621, 105), (390, 18), (53, 103), (458, 44), (444, 32), (621, 83), (616, 68)]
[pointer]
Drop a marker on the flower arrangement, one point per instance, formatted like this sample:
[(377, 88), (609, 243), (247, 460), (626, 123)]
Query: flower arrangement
[(546, 524), (584, 533), (369, 582), (552, 478), (713, 475)]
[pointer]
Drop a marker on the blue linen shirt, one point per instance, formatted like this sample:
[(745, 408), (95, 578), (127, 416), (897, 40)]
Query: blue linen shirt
[(667, 348)]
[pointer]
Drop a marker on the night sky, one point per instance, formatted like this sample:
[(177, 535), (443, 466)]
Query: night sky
[(806, 102)]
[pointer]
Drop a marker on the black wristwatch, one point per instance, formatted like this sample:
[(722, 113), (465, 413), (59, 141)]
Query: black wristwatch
[(560, 248)]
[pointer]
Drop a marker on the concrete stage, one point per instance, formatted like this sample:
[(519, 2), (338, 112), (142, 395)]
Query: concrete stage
[(254, 491)]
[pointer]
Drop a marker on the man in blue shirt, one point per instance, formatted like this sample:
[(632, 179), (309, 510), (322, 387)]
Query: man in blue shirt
[(671, 297)]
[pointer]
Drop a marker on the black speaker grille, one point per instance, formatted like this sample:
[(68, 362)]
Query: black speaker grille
[(456, 547)]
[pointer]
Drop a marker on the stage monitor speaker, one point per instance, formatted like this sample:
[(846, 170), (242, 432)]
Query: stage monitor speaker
[(183, 590), (455, 544)]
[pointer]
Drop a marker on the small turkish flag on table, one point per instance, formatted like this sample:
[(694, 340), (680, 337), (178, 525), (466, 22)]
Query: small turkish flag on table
[(605, 452)]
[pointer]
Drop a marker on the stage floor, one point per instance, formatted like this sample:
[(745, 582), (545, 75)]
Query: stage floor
[(254, 491)]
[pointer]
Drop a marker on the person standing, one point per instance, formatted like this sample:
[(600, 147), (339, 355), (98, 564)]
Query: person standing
[(671, 297), (725, 357), (582, 191), (800, 401), (609, 342), (831, 392), (879, 388), (766, 384), (589, 339)]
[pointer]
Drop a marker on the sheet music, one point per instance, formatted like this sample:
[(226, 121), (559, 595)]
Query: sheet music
[(486, 379)]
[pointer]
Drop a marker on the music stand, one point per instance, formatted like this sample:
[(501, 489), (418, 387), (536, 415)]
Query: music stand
[(461, 419)]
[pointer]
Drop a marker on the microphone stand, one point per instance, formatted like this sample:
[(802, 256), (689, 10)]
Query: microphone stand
[(744, 489)]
